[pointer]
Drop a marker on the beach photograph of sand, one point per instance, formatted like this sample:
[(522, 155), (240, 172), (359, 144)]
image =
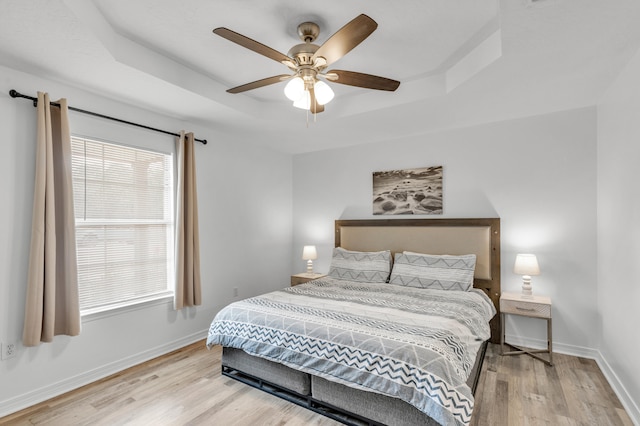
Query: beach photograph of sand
[(408, 191)]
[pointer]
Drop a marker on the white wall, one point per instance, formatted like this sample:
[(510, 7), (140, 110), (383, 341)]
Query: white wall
[(619, 231), (537, 174), (245, 224)]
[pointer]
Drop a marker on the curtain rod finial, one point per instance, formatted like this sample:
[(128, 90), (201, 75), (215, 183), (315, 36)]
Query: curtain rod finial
[(15, 94)]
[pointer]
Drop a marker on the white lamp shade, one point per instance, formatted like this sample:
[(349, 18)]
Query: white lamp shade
[(323, 92), (526, 264), (309, 253), (294, 89), (304, 102)]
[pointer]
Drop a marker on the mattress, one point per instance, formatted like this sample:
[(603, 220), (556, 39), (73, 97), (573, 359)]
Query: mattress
[(416, 345)]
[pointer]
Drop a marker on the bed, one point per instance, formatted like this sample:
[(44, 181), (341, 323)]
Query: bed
[(362, 350)]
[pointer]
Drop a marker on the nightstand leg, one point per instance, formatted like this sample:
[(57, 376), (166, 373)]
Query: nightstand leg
[(549, 342), (532, 352), (502, 334)]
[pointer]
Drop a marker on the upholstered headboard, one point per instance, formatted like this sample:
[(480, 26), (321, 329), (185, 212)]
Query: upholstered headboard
[(434, 236)]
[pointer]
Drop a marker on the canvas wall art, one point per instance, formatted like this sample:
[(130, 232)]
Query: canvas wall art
[(409, 191)]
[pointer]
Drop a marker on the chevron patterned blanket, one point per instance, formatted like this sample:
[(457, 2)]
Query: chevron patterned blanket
[(418, 345)]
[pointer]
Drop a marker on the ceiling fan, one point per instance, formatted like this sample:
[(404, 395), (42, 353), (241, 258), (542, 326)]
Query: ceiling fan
[(309, 61)]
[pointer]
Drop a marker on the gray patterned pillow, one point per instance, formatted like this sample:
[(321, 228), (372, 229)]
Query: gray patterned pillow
[(362, 266), (443, 272)]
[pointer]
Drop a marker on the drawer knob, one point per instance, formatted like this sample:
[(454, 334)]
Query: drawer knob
[(525, 309)]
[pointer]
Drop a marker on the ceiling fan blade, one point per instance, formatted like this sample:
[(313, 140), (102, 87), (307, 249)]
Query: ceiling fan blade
[(260, 83), (314, 106), (367, 81), (252, 45), (346, 38)]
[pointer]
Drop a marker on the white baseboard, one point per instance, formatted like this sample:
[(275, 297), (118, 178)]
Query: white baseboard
[(560, 348), (621, 392), (28, 399), (631, 406)]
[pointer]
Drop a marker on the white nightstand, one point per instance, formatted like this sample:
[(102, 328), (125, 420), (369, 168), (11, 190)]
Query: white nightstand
[(305, 277), (532, 307)]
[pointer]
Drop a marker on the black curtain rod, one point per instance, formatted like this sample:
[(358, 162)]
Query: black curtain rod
[(15, 94)]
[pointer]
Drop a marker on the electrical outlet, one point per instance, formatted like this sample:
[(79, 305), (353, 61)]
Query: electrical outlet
[(9, 350), (235, 292)]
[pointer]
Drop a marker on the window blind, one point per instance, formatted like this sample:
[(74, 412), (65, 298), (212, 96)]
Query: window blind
[(123, 199)]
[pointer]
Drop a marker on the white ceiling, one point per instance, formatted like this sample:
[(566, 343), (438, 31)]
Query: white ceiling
[(460, 62)]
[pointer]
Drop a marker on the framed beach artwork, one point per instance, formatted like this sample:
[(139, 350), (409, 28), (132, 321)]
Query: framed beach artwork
[(408, 191)]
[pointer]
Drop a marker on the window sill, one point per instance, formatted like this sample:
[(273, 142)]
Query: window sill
[(94, 314)]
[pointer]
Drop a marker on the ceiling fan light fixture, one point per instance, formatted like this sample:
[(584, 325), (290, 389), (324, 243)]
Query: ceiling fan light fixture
[(304, 101), (294, 89), (323, 92), (308, 62)]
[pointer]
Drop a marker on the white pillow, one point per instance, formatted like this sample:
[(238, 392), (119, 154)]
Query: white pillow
[(361, 266), (443, 272)]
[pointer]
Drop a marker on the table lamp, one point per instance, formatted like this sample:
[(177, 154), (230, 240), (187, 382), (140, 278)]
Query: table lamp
[(309, 254), (526, 265)]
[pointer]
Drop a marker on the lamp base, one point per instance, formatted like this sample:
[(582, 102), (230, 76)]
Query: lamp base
[(309, 266), (527, 291)]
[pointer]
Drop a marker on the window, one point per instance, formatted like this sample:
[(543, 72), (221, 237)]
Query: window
[(124, 223)]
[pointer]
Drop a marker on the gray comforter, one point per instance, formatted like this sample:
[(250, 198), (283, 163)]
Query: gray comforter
[(414, 344)]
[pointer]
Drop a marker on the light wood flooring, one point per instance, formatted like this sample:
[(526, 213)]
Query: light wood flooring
[(185, 387)]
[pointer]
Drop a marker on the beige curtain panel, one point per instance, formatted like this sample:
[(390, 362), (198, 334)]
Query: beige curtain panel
[(187, 283), (52, 306)]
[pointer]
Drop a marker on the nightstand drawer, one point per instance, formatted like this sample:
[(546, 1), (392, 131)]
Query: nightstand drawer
[(525, 307)]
